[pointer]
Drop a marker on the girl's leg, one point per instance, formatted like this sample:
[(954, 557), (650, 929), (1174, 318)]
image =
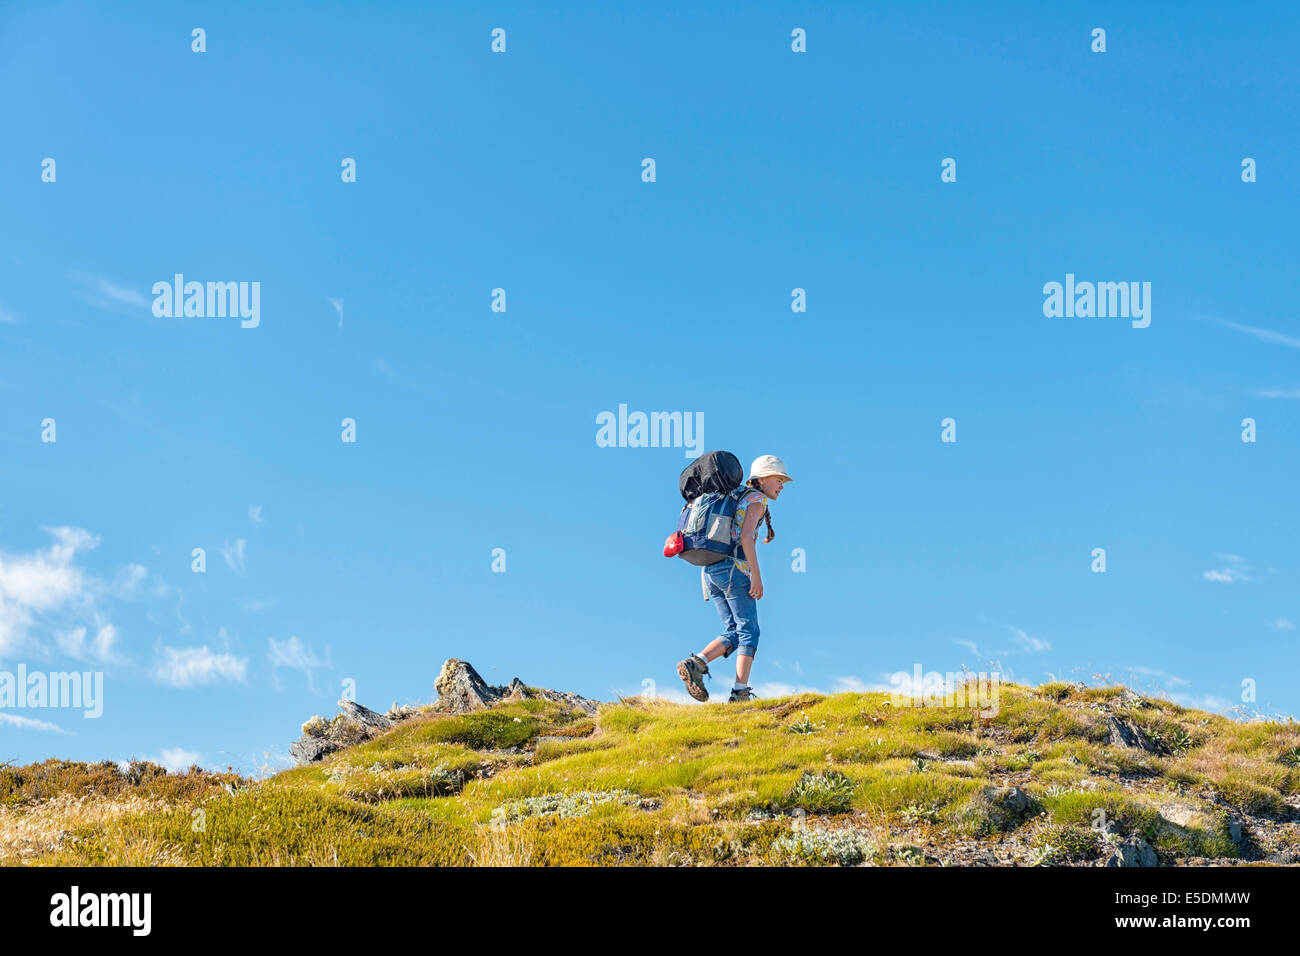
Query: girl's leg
[(715, 650), (743, 663), (744, 613), (727, 641)]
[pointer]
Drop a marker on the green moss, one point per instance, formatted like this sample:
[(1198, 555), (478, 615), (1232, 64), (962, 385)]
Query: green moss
[(687, 781), (1072, 843)]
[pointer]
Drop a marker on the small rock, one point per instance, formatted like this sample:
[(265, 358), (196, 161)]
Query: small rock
[(1131, 851), (1124, 734), (1015, 800), (310, 749), (365, 716)]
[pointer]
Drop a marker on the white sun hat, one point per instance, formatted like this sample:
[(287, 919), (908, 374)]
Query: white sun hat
[(765, 465)]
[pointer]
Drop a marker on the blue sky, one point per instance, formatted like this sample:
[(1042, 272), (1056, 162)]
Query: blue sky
[(371, 561)]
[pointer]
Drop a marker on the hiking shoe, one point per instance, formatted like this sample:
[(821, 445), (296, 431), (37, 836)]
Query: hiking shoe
[(741, 694), (690, 671)]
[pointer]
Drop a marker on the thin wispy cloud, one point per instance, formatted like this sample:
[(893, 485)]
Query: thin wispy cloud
[(100, 647), (338, 307), (6, 316), (1264, 335), (1032, 644), (1281, 624), (129, 579), (386, 370), (28, 723), (1236, 570), (1224, 576), (1292, 393), (108, 295), (255, 512), (234, 554), (293, 654), (1164, 677), (1210, 702)]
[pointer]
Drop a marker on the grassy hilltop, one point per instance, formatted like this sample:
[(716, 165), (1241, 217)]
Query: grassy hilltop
[(810, 779)]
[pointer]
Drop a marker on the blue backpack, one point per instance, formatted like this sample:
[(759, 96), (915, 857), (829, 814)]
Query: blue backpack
[(713, 487)]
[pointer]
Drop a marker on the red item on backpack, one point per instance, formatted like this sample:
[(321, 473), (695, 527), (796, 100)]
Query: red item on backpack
[(674, 545)]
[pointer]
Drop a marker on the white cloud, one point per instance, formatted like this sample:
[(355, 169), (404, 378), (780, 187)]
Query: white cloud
[(255, 512), (293, 654), (73, 643), (1163, 676), (1228, 575), (1281, 624), (27, 723), (857, 685), (44, 583), (105, 637), (932, 684), (6, 315), (1030, 643), (234, 555), (128, 580), (671, 694), (1278, 393), (1263, 334), (191, 666), (778, 689), (111, 296), (1201, 702), (176, 759), (338, 307), (1225, 576)]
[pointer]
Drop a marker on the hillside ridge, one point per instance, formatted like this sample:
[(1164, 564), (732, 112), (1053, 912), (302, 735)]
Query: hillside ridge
[(1060, 774)]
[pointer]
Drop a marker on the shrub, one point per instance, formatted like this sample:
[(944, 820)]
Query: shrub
[(845, 847), (559, 804), (829, 792)]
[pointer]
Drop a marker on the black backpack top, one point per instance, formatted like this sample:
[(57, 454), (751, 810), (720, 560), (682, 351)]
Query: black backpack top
[(715, 471)]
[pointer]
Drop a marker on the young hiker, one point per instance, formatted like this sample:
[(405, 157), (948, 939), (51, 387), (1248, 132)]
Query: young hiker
[(735, 586)]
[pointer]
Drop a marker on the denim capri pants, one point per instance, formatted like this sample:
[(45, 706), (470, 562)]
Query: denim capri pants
[(728, 588)]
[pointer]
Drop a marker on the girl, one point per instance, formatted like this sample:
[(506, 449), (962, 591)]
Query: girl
[(735, 585)]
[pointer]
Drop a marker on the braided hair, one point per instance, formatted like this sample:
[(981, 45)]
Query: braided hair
[(767, 512)]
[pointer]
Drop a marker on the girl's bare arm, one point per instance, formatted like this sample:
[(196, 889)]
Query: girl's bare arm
[(748, 537)]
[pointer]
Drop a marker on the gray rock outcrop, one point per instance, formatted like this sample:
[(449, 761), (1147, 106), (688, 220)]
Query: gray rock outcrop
[(461, 690)]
